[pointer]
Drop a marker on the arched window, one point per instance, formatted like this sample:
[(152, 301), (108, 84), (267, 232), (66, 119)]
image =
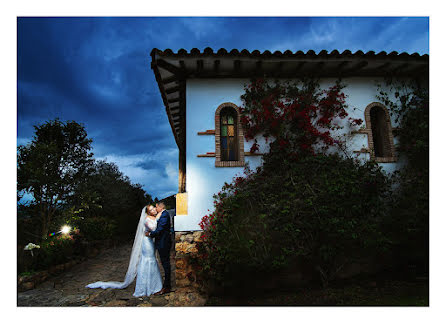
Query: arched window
[(228, 134), (379, 130), (229, 149)]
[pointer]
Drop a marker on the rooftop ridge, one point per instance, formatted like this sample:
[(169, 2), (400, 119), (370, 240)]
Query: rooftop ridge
[(286, 53)]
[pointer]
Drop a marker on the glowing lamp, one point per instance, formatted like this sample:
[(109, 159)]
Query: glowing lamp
[(65, 229)]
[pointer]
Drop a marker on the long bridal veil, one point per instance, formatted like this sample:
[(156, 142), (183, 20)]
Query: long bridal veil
[(134, 259)]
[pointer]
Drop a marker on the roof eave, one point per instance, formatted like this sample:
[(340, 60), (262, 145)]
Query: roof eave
[(172, 69)]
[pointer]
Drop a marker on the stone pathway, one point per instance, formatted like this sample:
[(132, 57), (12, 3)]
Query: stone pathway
[(68, 289)]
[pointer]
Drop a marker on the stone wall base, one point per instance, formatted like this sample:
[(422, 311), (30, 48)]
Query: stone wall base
[(188, 286), (185, 251)]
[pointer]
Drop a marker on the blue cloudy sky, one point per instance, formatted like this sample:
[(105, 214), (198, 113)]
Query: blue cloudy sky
[(96, 71)]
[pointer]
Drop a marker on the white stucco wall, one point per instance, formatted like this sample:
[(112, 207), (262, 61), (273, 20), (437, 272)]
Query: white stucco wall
[(203, 179)]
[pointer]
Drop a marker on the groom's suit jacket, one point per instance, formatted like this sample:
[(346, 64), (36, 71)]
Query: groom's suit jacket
[(162, 232)]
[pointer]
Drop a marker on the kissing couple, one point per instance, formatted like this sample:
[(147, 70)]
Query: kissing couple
[(152, 233)]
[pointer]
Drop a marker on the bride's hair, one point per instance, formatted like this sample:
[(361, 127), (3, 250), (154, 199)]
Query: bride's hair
[(147, 209)]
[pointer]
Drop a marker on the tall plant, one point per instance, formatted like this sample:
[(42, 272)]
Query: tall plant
[(52, 165)]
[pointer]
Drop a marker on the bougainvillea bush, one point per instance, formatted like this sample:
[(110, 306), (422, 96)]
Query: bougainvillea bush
[(299, 116), (302, 204)]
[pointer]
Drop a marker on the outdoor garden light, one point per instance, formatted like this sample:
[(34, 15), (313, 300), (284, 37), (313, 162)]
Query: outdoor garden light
[(65, 229)]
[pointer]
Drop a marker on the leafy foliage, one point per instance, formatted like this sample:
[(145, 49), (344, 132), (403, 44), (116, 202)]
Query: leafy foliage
[(325, 210), (54, 250), (299, 116), (70, 187), (409, 103), (303, 206), (52, 166), (107, 196), (408, 224)]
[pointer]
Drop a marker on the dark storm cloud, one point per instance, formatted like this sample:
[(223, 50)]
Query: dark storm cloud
[(96, 71)]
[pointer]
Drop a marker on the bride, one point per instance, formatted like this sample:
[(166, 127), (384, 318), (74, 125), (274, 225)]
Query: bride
[(143, 264)]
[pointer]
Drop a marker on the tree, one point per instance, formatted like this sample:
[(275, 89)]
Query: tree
[(108, 193), (52, 166)]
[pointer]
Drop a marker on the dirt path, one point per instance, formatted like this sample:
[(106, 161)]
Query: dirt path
[(68, 289)]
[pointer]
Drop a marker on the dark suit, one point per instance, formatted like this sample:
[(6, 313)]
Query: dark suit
[(163, 242)]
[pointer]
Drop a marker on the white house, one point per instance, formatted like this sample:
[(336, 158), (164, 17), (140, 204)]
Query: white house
[(201, 93)]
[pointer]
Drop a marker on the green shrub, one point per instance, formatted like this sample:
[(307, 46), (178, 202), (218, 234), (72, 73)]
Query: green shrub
[(408, 222), (54, 250), (324, 210), (96, 228)]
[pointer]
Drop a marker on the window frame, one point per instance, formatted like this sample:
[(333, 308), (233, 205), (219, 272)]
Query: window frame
[(389, 136), (239, 137)]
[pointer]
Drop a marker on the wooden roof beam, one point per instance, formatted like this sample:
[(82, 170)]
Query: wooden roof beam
[(317, 68), (216, 66), (172, 90), (357, 67), (419, 69), (183, 113), (182, 65), (258, 69), (170, 67), (342, 65), (170, 79), (161, 88), (400, 68), (384, 66), (259, 65), (319, 65), (173, 100), (237, 65), (200, 65), (299, 66)]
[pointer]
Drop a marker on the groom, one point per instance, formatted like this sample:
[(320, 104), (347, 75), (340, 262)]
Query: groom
[(163, 243)]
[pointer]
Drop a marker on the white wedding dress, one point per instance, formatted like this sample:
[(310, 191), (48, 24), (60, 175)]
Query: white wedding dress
[(148, 276), (142, 265)]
